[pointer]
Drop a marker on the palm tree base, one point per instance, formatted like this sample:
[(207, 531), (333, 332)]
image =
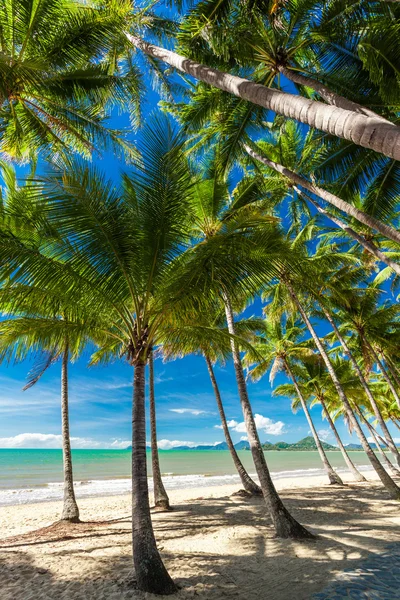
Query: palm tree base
[(247, 493), (162, 506)]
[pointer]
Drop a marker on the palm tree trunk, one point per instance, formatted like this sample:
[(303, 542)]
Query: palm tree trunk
[(369, 132), (70, 510), (334, 478), (285, 525), (150, 572), (393, 369), (385, 459), (383, 371), (161, 500), (390, 485), (327, 94), (365, 387), (395, 423), (356, 473), (247, 482), (342, 205), (368, 246)]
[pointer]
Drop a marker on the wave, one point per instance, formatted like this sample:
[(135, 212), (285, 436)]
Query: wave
[(114, 487)]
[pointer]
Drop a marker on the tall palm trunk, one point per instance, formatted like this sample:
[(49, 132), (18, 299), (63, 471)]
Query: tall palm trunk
[(390, 485), (365, 387), (356, 473), (393, 370), (395, 423), (342, 205), (247, 482), (368, 246), (285, 525), (334, 478), (382, 369), (327, 94), (384, 458), (150, 572), (161, 499), (70, 510), (369, 132)]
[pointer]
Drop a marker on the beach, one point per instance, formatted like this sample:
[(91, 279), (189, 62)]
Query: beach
[(216, 545)]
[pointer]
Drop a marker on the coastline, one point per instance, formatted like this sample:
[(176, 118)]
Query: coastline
[(216, 546)]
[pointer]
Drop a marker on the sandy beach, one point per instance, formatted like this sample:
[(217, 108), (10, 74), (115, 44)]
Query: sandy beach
[(215, 545)]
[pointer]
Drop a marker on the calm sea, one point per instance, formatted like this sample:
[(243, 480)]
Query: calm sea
[(36, 475)]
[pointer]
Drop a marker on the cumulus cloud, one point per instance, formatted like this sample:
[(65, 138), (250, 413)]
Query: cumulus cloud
[(120, 444), (169, 444), (244, 438), (189, 411), (51, 441), (324, 434), (232, 423), (263, 424)]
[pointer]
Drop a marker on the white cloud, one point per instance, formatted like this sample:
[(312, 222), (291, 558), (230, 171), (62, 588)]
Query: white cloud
[(324, 434), (121, 444), (244, 438), (232, 424), (51, 441), (190, 411), (396, 440), (263, 424), (169, 444)]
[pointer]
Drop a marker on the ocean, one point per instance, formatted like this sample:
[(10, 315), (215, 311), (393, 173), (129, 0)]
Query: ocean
[(36, 475)]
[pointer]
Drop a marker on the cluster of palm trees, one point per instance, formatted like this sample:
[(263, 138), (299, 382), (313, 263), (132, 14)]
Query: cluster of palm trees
[(274, 177)]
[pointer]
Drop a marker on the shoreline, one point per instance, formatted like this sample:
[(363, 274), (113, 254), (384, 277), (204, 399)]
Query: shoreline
[(119, 486)]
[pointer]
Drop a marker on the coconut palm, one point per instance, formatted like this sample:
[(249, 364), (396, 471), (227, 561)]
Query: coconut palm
[(221, 219), (161, 500), (210, 339), (315, 385), (121, 253), (348, 124), (60, 78), (279, 347)]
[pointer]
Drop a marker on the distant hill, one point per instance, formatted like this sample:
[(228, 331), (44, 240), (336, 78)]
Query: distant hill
[(242, 445), (306, 443)]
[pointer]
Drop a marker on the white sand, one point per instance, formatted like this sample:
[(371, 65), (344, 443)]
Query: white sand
[(215, 546)]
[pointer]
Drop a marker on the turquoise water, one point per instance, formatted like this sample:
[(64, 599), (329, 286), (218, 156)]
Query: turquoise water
[(31, 475)]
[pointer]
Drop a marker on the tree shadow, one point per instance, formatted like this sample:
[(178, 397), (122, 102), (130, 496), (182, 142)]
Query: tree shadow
[(215, 548)]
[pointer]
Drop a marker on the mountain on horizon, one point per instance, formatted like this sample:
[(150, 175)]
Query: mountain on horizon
[(306, 443)]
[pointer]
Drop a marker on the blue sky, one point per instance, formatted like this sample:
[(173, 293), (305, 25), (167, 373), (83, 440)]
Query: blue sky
[(101, 400), (101, 397)]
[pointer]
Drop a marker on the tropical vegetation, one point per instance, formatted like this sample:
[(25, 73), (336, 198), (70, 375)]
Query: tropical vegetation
[(267, 178)]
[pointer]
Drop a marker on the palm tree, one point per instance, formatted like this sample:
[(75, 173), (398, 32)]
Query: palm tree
[(387, 481), (161, 499), (370, 132), (211, 341), (119, 255), (278, 349), (313, 382), (23, 335), (255, 247), (60, 79), (376, 327)]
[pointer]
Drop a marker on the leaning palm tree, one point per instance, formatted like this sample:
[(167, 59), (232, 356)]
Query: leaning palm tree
[(211, 340), (314, 384), (279, 348), (248, 240), (366, 131)]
